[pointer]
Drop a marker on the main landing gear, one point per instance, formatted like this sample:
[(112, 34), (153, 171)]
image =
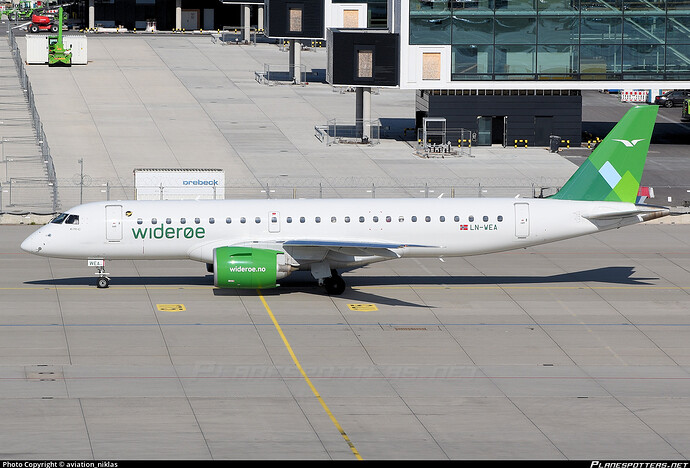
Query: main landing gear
[(335, 284)]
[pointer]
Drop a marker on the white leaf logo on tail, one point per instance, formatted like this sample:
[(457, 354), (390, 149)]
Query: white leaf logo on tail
[(629, 143)]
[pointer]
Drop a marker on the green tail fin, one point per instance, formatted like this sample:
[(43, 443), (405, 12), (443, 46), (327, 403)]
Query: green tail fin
[(614, 169)]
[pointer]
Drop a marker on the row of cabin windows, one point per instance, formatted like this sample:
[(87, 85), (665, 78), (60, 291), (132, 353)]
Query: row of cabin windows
[(317, 219)]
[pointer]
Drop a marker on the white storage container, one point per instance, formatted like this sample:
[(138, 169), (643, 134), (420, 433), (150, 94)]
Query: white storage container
[(37, 48), (179, 184)]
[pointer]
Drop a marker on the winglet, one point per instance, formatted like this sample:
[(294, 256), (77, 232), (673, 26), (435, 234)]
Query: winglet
[(614, 169)]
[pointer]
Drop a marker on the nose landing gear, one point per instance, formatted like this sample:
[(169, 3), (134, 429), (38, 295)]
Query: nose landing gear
[(103, 280)]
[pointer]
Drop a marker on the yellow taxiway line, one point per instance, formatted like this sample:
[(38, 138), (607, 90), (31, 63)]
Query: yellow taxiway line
[(306, 378)]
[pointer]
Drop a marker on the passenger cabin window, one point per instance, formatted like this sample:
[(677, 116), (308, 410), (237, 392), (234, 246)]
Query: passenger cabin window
[(257, 220), (376, 219), (414, 219), (211, 220), (154, 221), (347, 219), (228, 220), (427, 218), (388, 219), (197, 220), (333, 220), (168, 221), (317, 219), (471, 218), (140, 221), (243, 220), (183, 220), (361, 219), (442, 219), (500, 218), (301, 219), (485, 218), (288, 219), (59, 218), (456, 218)]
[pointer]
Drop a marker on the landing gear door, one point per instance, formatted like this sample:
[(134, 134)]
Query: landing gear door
[(521, 220), (113, 223), (273, 221)]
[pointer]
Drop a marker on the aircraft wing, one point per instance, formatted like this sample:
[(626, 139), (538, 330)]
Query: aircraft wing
[(381, 249)]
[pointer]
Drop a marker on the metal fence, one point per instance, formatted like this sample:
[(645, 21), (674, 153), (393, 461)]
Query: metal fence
[(339, 132), (442, 142), (281, 74), (92, 190), (45, 179)]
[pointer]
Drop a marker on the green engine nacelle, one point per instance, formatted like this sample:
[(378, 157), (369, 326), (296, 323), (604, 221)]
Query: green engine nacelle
[(244, 267)]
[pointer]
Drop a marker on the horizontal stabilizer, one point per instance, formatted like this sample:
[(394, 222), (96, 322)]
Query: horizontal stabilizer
[(643, 212)]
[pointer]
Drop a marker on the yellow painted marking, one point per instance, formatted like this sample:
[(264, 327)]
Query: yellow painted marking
[(363, 307), (306, 378), (171, 307)]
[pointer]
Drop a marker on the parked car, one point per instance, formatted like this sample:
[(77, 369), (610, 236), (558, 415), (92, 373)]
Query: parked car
[(672, 98)]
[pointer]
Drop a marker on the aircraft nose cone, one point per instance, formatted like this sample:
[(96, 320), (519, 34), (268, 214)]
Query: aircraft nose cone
[(31, 244)]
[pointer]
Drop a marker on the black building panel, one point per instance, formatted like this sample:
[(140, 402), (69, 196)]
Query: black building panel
[(127, 12), (295, 19), (530, 117), (363, 57)]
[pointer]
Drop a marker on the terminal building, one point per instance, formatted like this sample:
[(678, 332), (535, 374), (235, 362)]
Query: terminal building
[(514, 69), (507, 70)]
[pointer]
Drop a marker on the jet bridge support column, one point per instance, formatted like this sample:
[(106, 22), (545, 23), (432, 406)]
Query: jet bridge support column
[(363, 113), (246, 23), (260, 19), (295, 61), (92, 14), (178, 15)]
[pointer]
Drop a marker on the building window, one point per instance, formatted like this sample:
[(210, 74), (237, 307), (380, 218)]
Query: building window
[(431, 66), (295, 14), (365, 63), (350, 18)]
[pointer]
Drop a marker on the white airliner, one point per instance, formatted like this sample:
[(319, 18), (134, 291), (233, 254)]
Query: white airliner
[(255, 243)]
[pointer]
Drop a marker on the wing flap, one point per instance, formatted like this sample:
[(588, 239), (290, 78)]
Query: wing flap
[(381, 249)]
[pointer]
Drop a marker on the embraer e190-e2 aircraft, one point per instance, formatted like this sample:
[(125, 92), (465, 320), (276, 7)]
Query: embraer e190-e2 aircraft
[(256, 243)]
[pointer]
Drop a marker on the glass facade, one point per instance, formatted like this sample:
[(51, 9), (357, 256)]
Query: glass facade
[(558, 39)]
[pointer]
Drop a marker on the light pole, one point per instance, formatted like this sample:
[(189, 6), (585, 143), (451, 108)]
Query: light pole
[(81, 180)]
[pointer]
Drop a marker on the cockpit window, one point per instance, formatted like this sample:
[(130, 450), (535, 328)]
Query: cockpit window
[(59, 218), (72, 219)]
